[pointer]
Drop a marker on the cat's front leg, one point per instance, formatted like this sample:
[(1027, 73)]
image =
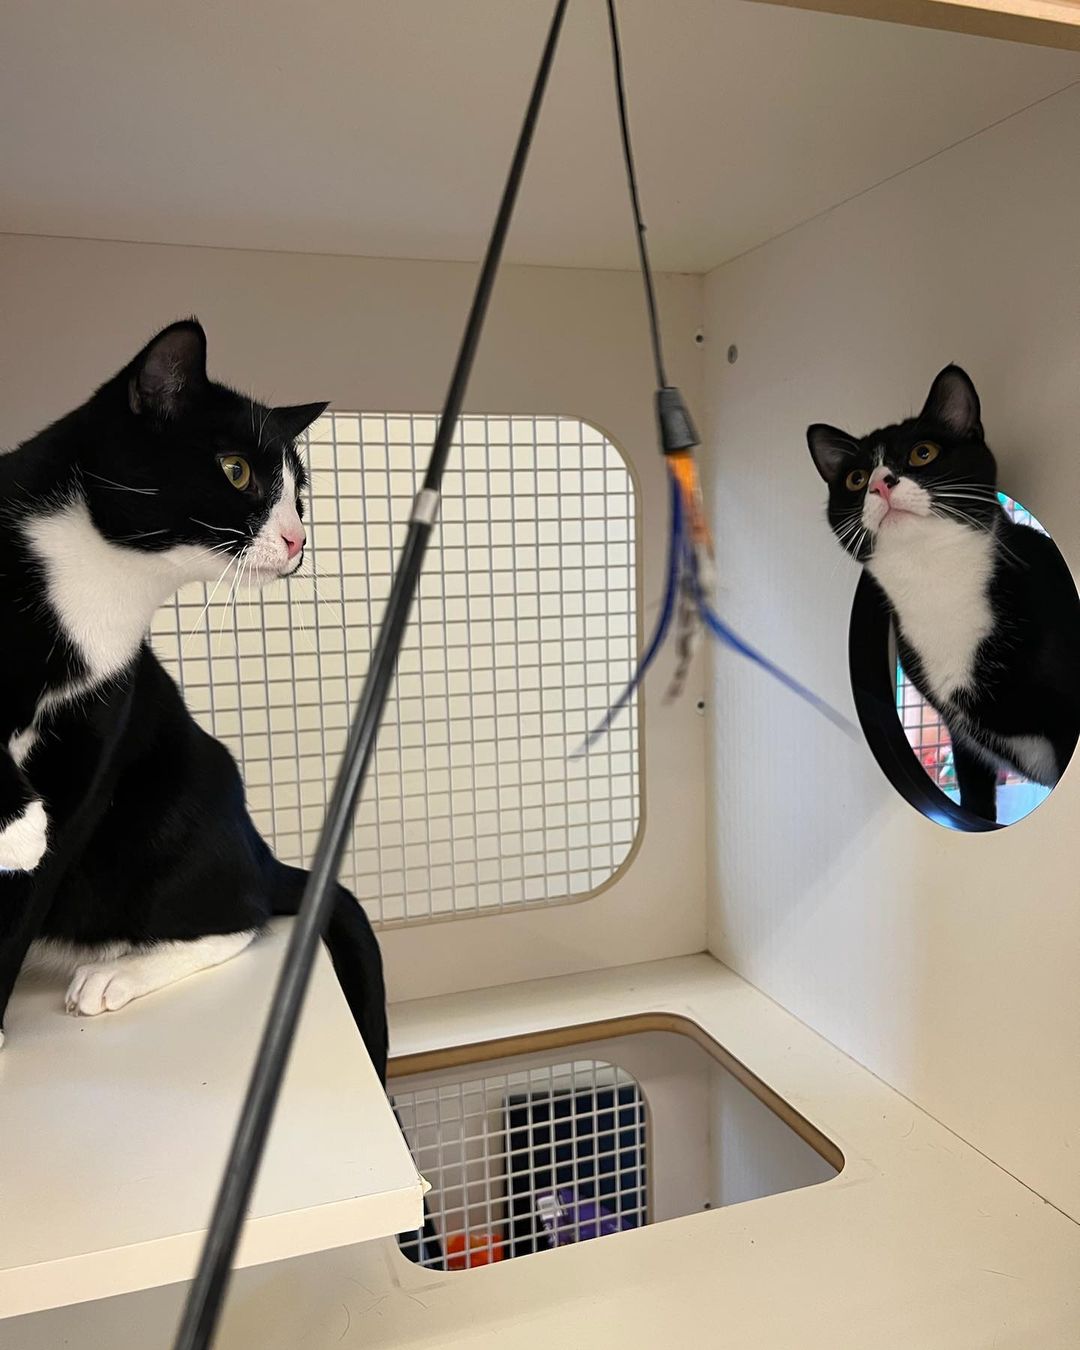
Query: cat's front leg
[(24, 828), (105, 986), (18, 923), (976, 779)]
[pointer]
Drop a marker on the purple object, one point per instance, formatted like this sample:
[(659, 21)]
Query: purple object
[(568, 1219)]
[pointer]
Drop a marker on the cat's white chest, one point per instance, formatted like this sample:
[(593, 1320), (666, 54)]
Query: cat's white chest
[(937, 575), (103, 595)]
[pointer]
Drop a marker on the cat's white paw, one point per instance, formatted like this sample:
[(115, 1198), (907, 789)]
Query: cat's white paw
[(102, 986), (24, 840)]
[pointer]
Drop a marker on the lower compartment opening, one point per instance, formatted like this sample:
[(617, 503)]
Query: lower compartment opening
[(529, 1152)]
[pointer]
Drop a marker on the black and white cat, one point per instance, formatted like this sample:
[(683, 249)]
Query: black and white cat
[(986, 612), (126, 850)]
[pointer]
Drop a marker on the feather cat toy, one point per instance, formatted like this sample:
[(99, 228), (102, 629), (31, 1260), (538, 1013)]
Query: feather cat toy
[(689, 572), (688, 583)]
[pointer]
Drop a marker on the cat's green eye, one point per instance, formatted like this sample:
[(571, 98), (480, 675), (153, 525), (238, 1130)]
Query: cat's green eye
[(856, 480), (924, 453), (237, 470)]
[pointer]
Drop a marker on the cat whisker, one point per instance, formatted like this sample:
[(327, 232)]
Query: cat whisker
[(243, 586), (121, 487), (251, 588), (232, 592), (130, 538), (968, 483), (965, 516), (860, 540), (1004, 548), (209, 599), (262, 427), (847, 534), (947, 512), (219, 550), (966, 494), (954, 494), (296, 614), (221, 529), (321, 600)]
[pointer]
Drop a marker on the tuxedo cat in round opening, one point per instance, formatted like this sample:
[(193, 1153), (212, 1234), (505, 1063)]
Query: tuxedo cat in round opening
[(985, 611), (126, 851)]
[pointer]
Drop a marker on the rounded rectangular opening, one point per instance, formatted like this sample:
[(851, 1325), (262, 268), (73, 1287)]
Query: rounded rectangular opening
[(529, 1148)]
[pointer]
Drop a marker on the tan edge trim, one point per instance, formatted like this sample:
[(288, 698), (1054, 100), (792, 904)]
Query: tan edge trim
[(1042, 23), (560, 1038)]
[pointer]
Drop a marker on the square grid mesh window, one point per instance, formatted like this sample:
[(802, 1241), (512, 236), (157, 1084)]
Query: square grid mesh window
[(525, 1161), (524, 629), (926, 732)]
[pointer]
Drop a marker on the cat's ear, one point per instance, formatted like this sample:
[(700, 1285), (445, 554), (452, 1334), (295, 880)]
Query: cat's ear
[(287, 423), (953, 405), (832, 449), (169, 370)]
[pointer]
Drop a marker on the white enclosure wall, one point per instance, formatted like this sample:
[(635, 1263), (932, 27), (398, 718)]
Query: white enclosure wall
[(946, 963), (381, 336)]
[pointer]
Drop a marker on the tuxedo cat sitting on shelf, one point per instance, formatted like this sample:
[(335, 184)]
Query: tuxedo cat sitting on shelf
[(127, 854), (986, 613)]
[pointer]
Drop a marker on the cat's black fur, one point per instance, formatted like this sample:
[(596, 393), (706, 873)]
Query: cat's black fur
[(149, 838), (1023, 674)]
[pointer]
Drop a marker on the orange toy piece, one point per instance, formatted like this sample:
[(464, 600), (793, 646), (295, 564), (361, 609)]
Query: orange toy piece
[(684, 466), (482, 1250)]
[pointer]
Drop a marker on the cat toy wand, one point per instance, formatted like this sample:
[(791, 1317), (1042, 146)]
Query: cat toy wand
[(690, 546), (202, 1309)]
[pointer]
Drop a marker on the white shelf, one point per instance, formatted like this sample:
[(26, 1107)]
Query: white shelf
[(115, 1131), (921, 1243)]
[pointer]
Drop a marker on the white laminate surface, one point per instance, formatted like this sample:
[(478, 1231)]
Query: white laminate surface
[(114, 1130)]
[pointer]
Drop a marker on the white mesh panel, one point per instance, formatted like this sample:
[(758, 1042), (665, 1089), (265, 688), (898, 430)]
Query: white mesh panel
[(525, 628), (524, 1161)]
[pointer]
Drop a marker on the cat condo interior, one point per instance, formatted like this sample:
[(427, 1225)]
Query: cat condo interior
[(714, 994)]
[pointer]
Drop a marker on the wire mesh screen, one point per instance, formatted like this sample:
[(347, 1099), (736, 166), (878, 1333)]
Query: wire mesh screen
[(524, 628), (926, 732), (525, 1161)]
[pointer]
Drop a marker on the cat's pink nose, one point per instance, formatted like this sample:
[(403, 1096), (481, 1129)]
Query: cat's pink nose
[(294, 542), (884, 485)]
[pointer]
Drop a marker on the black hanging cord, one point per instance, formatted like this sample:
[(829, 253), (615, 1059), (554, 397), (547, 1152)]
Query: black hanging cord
[(635, 200), (203, 1306), (674, 423)]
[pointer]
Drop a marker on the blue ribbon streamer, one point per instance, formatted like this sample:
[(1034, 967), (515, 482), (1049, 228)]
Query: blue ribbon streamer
[(681, 555), (667, 610), (726, 634)]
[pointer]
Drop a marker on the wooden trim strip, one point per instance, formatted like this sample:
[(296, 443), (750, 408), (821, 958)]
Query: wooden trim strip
[(562, 1038), (1041, 23)]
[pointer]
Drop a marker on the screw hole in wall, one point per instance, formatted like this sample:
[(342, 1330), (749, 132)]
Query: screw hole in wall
[(732, 354)]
